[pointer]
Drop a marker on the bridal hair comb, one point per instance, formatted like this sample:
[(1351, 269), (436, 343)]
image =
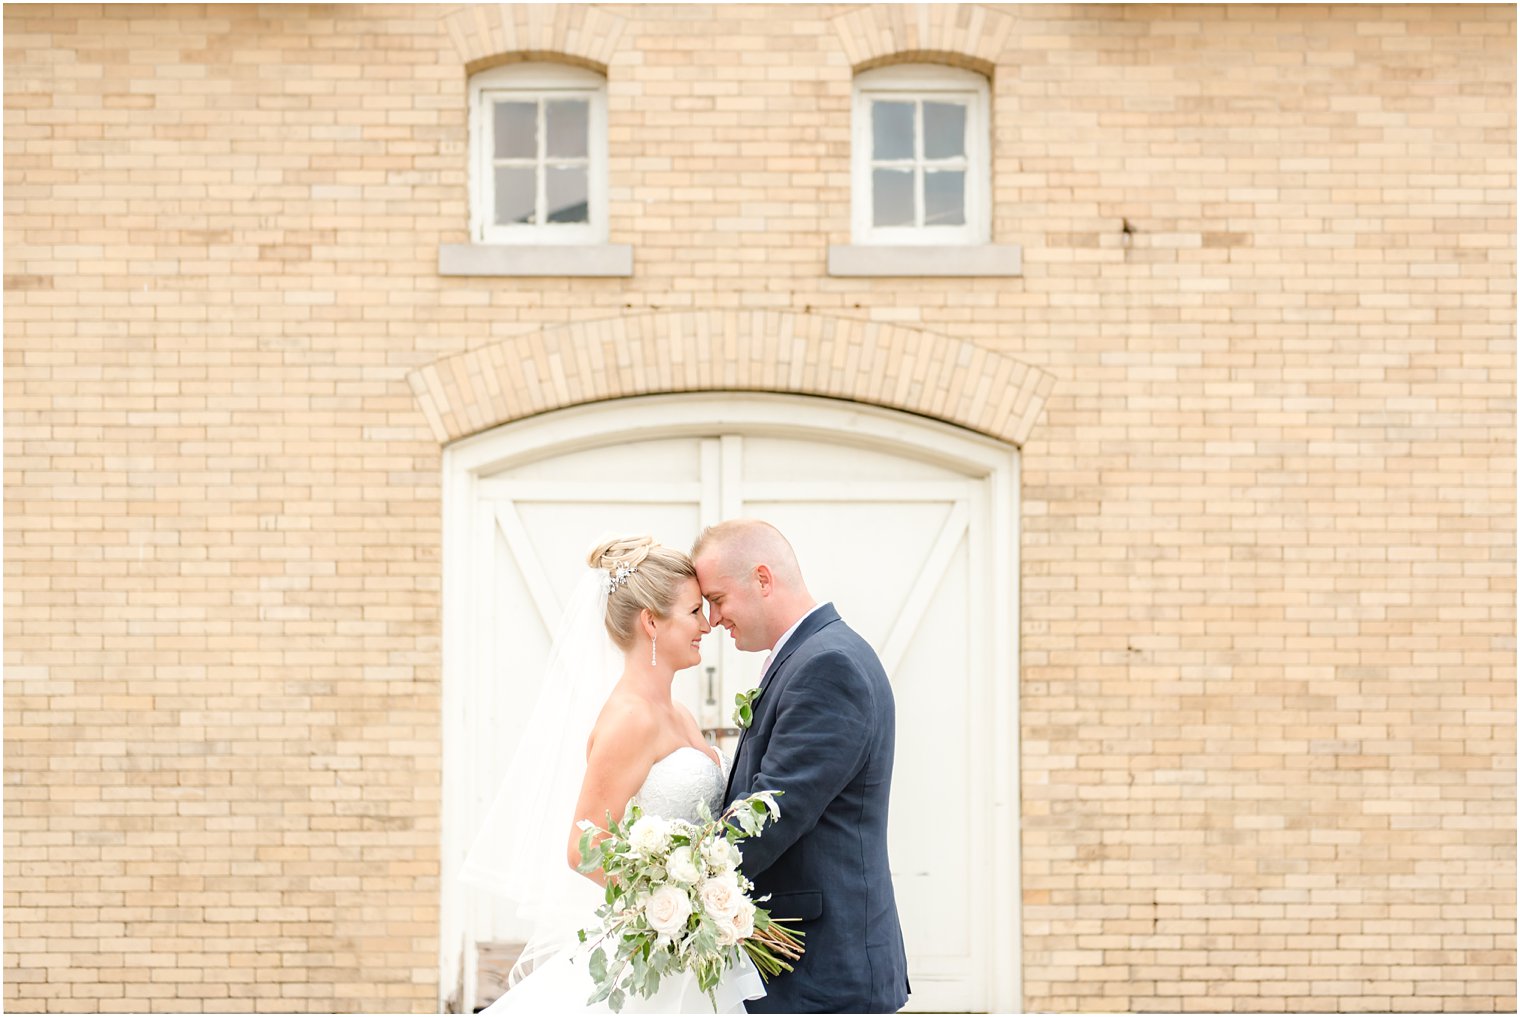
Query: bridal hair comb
[(619, 576)]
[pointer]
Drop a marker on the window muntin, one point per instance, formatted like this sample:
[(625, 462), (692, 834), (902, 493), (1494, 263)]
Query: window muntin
[(918, 161), (541, 162)]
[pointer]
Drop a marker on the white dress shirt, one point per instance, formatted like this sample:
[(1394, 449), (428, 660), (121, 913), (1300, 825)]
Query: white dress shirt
[(775, 650)]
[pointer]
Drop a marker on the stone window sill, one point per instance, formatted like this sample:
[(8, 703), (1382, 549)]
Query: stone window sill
[(591, 260), (958, 260)]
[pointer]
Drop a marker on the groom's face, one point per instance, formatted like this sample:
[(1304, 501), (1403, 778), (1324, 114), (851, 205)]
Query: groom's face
[(734, 602)]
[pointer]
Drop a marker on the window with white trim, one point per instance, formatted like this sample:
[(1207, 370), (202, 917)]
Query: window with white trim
[(538, 155), (920, 162)]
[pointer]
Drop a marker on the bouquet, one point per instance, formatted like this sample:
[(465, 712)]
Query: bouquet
[(676, 901)]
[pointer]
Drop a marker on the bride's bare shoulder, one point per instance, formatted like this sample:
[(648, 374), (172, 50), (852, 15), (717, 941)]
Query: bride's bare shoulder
[(627, 722)]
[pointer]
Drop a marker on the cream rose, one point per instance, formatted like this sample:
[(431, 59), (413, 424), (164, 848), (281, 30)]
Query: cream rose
[(649, 835), (721, 855), (740, 927), (744, 921), (667, 910), (721, 897), (683, 867)]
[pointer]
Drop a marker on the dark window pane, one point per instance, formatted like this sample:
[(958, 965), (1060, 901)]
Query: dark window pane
[(568, 121), (516, 130), (515, 195), (892, 197), (944, 130), (567, 194), (892, 130), (944, 198)]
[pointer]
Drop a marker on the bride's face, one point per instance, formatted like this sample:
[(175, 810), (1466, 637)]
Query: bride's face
[(680, 635)]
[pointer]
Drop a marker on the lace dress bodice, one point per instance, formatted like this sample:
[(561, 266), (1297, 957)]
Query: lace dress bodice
[(681, 784)]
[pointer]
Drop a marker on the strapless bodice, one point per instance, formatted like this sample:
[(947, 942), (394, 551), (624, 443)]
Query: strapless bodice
[(681, 785)]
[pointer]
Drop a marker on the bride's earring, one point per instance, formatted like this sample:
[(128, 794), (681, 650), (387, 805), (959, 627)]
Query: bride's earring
[(652, 661)]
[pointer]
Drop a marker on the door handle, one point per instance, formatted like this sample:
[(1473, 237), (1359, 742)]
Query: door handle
[(712, 734)]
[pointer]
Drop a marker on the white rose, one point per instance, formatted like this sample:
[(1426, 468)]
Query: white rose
[(683, 867), (721, 897), (731, 931), (744, 921), (667, 910), (721, 855), (726, 933), (649, 835)]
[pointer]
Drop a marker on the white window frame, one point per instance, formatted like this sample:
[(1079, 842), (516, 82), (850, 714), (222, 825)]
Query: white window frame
[(536, 81), (917, 83)]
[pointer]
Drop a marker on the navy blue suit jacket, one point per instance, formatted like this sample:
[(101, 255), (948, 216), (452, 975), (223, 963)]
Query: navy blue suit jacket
[(823, 732)]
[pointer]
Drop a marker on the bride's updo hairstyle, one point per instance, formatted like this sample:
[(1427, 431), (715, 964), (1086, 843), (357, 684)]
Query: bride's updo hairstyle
[(642, 574)]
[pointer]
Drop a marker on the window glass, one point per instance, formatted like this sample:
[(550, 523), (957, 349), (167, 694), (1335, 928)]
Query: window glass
[(944, 197), (515, 129), (566, 194), (892, 197), (892, 130), (568, 124), (944, 130), (516, 198)]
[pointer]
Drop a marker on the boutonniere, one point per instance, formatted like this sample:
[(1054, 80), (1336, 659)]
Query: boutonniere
[(744, 708)]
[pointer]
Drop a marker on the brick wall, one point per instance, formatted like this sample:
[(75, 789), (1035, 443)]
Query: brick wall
[(1269, 518)]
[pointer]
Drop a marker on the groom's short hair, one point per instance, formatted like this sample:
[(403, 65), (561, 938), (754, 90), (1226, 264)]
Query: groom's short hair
[(747, 543)]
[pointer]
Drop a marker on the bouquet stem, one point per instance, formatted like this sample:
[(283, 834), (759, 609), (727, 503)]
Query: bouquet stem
[(773, 947)]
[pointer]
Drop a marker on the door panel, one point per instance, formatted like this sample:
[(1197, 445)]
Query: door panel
[(549, 551), (663, 460), (936, 778), (789, 459), (863, 556), (901, 574)]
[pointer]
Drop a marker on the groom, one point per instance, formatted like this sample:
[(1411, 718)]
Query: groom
[(823, 731)]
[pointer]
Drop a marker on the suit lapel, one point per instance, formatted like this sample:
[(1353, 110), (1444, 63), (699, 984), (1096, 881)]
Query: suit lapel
[(810, 625), (815, 621)]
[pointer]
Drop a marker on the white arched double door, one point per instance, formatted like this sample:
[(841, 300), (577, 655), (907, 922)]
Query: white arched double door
[(907, 525)]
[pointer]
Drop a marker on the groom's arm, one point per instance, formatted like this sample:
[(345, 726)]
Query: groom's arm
[(818, 744)]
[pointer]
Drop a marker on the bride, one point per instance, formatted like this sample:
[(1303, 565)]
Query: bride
[(604, 732)]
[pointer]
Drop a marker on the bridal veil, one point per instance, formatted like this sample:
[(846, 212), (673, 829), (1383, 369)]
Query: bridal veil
[(520, 852)]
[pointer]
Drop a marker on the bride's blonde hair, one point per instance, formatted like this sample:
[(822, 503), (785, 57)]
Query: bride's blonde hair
[(654, 574)]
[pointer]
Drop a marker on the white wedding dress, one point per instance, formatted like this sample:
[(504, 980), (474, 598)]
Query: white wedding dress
[(678, 786)]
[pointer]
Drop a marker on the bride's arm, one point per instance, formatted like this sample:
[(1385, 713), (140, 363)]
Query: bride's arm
[(617, 761)]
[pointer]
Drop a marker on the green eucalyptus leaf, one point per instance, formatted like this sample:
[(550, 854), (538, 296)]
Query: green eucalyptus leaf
[(598, 964)]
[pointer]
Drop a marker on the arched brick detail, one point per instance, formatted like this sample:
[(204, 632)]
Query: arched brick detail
[(964, 35), (759, 351), (489, 34)]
